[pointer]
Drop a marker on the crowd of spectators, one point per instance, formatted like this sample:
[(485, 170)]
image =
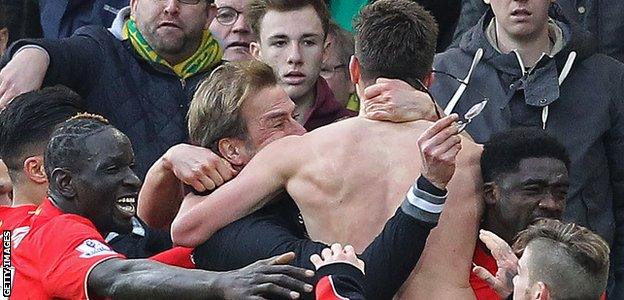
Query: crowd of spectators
[(310, 149)]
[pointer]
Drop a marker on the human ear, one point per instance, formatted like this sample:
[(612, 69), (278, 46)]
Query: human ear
[(34, 170), (61, 182)]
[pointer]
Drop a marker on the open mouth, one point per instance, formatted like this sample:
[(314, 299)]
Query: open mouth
[(126, 205), (238, 45), (520, 12)]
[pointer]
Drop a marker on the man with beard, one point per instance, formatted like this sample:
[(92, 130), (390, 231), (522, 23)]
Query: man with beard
[(93, 191), (140, 74)]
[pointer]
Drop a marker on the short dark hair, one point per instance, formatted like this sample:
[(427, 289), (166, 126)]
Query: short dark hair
[(570, 259), (28, 121), (256, 9), (67, 141), (395, 39), (504, 151)]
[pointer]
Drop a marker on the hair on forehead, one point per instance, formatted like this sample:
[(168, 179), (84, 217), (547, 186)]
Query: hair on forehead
[(67, 141), (27, 123), (504, 151), (256, 9), (215, 111), (570, 259)]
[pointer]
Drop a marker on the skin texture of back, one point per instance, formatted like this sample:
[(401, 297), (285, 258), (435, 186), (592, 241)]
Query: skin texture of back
[(347, 178)]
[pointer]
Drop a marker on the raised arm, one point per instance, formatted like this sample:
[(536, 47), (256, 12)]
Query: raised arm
[(162, 192), (445, 265), (201, 216), (132, 279), (29, 64)]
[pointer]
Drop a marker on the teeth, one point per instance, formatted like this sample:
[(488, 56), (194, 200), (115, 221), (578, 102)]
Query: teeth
[(126, 200)]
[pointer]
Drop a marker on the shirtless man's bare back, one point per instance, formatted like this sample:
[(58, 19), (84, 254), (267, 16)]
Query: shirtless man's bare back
[(348, 178)]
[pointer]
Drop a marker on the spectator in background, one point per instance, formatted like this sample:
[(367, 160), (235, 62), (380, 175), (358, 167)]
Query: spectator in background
[(335, 67), (6, 187), (61, 18), (291, 39), (603, 18), (540, 70), (141, 74), (231, 29)]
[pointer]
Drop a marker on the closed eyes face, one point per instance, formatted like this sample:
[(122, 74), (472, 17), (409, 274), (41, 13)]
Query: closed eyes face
[(269, 116), (538, 189)]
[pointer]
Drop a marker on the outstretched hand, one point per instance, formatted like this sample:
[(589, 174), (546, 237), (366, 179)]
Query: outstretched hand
[(337, 254), (266, 279), (439, 146), (506, 261)]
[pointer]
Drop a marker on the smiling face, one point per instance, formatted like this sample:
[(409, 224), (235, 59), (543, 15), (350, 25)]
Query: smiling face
[(538, 189), (269, 117), (521, 20), (105, 185), (173, 29), (292, 43), (234, 38)]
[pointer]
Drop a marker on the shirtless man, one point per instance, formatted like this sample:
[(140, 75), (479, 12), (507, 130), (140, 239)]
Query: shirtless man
[(338, 193)]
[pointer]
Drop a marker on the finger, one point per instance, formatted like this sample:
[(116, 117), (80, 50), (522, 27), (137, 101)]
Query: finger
[(451, 154), (275, 291), (279, 259), (226, 170), (206, 182), (336, 249), (286, 281), (442, 143), (214, 175), (295, 272), (438, 126), (326, 254), (316, 260), (348, 249), (486, 276), (196, 184), (376, 89)]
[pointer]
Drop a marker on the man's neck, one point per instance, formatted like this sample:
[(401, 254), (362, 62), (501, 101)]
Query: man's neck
[(23, 195), (530, 49), (176, 58), (305, 103)]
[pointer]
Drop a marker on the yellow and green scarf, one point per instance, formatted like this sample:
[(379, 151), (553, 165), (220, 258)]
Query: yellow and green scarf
[(208, 55)]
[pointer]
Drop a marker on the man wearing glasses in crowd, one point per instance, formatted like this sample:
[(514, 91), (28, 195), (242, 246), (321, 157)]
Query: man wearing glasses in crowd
[(140, 74), (231, 30)]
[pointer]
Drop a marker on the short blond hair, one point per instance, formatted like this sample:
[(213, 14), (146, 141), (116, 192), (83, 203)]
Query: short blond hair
[(570, 259), (215, 111)]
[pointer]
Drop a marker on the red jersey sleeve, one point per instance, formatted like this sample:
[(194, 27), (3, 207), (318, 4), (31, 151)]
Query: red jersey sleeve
[(56, 259), (176, 256)]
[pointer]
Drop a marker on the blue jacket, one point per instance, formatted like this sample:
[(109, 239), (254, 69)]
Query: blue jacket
[(61, 18), (585, 113), (146, 101)]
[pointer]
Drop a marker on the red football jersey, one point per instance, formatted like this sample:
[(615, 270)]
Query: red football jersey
[(56, 256)]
